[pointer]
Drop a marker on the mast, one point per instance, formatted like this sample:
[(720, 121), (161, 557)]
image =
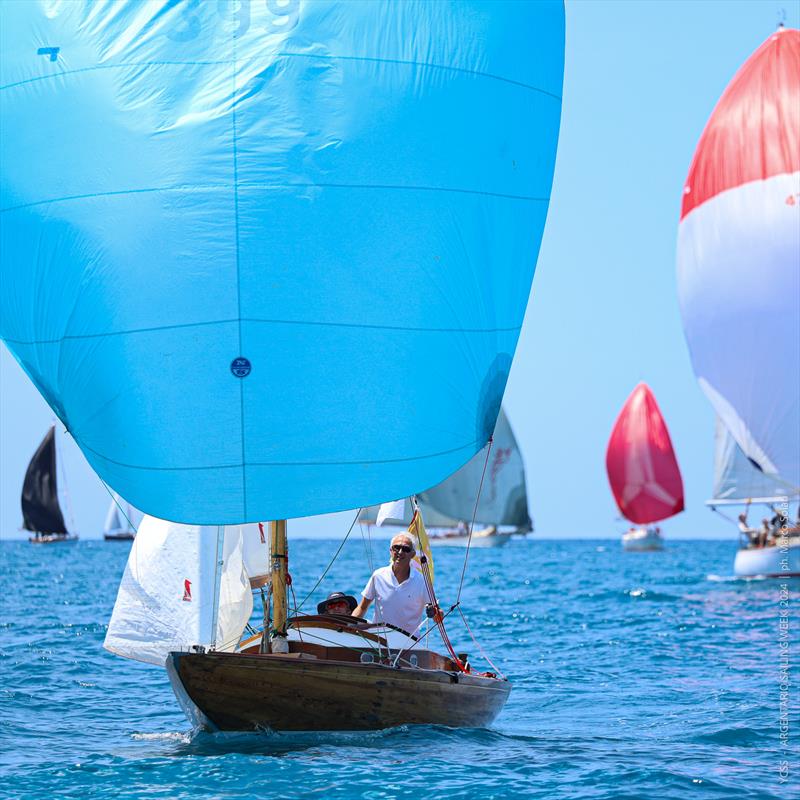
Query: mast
[(280, 577)]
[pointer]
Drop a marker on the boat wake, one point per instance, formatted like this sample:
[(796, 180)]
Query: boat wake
[(270, 742), (173, 736), (735, 578)]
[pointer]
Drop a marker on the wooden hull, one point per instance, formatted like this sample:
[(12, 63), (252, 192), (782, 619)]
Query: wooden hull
[(240, 692)]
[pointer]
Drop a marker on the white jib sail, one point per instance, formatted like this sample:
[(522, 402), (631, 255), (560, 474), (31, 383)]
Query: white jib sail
[(737, 481), (166, 600)]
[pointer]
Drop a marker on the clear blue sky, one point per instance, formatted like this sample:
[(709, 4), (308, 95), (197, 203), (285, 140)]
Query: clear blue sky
[(641, 80)]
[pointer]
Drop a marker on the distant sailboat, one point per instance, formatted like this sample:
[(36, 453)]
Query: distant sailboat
[(119, 521), (41, 512), (738, 284), (643, 471), (448, 507), (771, 547)]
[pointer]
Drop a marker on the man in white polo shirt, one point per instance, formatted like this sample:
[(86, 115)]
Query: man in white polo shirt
[(399, 592)]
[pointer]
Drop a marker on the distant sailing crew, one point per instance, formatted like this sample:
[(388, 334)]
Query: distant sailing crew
[(399, 592)]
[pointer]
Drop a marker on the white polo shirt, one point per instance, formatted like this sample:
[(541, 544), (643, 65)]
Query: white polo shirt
[(399, 604)]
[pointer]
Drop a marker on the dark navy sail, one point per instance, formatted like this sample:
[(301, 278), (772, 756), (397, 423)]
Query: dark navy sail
[(40, 510)]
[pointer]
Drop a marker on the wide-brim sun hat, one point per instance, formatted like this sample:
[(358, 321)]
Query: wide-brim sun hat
[(349, 599)]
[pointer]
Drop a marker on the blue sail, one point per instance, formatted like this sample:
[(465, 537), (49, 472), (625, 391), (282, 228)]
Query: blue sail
[(218, 219)]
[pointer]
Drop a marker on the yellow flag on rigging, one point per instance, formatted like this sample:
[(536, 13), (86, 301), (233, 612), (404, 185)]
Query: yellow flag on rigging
[(417, 530)]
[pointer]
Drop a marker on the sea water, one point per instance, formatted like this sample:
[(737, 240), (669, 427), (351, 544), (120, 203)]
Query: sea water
[(635, 675)]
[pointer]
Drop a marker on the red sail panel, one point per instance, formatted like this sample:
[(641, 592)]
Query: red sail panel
[(754, 131), (642, 468)]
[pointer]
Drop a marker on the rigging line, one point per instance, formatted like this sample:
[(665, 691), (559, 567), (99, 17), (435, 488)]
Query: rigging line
[(367, 541), (64, 486), (428, 631), (116, 502), (439, 618), (472, 523), (294, 600), (367, 642), (483, 652), (335, 556), (724, 516)]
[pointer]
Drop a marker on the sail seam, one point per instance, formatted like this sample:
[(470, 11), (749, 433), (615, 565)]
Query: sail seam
[(277, 463), (258, 185), (238, 273), (326, 57), (404, 328)]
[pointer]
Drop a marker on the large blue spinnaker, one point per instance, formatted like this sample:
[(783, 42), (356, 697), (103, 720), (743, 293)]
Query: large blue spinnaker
[(267, 260)]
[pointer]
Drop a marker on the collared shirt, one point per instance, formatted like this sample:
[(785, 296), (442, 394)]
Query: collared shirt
[(399, 604)]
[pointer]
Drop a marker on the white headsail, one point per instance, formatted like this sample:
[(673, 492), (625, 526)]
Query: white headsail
[(174, 595), (737, 481)]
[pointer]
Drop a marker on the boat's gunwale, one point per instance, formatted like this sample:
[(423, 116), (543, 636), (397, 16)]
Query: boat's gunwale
[(443, 676)]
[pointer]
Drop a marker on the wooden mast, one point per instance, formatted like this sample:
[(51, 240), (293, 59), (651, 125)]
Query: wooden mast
[(280, 569)]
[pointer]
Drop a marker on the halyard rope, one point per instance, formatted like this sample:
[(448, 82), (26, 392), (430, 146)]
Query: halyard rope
[(335, 556)]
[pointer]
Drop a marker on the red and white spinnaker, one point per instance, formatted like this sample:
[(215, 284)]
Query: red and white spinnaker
[(739, 257), (641, 464)]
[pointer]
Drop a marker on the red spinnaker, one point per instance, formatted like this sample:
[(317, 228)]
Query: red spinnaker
[(642, 468)]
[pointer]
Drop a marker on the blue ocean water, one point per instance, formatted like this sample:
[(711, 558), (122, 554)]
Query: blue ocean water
[(634, 676)]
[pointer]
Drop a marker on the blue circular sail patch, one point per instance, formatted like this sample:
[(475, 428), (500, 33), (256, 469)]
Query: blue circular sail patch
[(240, 367)]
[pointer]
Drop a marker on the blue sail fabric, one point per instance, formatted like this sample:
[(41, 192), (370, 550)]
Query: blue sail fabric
[(271, 259)]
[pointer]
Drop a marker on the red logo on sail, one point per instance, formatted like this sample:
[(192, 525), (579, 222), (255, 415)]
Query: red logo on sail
[(261, 532), (187, 590)]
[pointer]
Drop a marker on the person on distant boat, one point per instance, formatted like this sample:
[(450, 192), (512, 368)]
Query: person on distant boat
[(764, 533), (399, 592), (743, 526), (337, 603), (780, 520)]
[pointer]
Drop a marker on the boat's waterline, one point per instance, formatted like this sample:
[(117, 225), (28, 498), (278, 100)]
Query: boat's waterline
[(773, 561), (642, 540)]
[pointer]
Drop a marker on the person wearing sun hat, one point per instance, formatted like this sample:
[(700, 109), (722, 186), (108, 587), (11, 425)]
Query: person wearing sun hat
[(337, 603)]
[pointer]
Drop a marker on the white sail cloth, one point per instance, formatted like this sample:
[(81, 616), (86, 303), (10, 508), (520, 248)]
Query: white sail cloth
[(738, 296), (737, 481), (173, 595)]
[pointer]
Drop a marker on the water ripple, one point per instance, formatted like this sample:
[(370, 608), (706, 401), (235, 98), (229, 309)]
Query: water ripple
[(633, 677)]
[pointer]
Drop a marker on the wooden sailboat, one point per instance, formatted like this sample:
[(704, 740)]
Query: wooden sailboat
[(450, 506), (643, 471), (301, 672), (738, 284), (41, 511), (339, 197)]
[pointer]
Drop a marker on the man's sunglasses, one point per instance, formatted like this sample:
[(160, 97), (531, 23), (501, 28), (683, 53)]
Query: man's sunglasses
[(402, 548)]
